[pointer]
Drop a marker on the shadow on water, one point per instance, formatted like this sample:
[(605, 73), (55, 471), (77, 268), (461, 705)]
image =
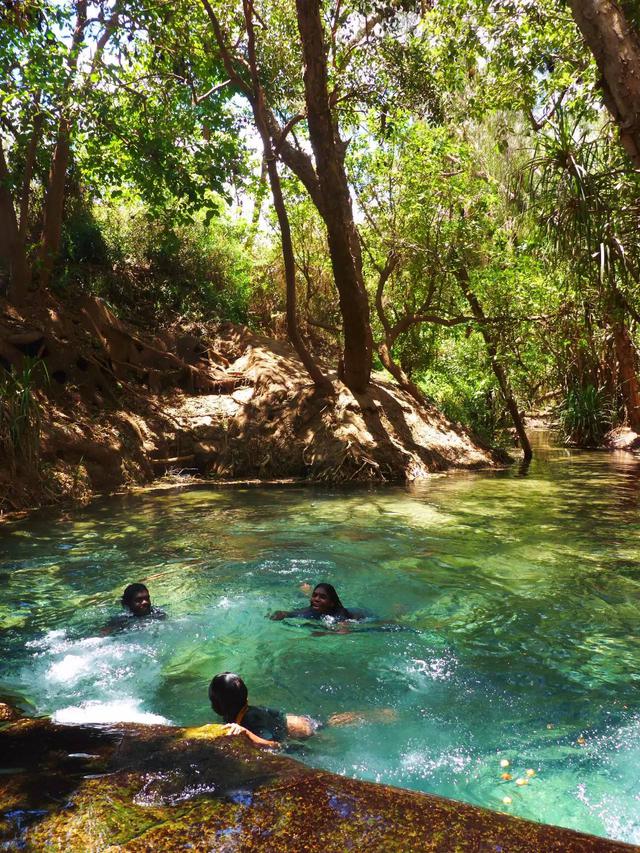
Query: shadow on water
[(511, 595)]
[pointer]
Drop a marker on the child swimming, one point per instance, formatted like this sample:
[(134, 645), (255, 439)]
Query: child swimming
[(324, 602), (137, 600), (263, 726), (267, 727)]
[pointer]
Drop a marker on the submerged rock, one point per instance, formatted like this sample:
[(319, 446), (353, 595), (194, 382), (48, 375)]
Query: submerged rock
[(157, 788)]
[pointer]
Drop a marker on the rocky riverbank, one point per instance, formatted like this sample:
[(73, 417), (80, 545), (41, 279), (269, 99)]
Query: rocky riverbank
[(83, 789)]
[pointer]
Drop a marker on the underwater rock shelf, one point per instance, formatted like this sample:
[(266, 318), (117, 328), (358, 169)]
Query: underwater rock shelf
[(157, 788)]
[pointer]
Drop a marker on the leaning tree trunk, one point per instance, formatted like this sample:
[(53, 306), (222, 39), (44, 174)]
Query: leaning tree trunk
[(55, 195), (498, 369), (336, 210), (615, 45), (259, 114), (391, 333)]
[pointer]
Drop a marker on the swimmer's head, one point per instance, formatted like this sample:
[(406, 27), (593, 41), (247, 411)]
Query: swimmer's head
[(228, 695), (136, 598), (324, 598)]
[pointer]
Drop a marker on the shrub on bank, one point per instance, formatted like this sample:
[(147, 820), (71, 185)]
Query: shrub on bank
[(154, 270)]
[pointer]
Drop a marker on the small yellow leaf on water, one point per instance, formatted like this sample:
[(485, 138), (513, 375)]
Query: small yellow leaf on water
[(521, 781), (530, 772), (504, 763), (506, 776), (581, 741), (506, 801)]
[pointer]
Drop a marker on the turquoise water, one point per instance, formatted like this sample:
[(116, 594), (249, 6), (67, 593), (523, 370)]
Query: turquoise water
[(508, 610)]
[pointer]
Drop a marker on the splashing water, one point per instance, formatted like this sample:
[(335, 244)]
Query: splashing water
[(507, 626)]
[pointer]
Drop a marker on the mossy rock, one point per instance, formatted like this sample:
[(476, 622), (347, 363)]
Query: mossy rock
[(144, 788)]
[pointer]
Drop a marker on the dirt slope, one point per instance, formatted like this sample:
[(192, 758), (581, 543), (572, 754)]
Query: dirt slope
[(122, 407)]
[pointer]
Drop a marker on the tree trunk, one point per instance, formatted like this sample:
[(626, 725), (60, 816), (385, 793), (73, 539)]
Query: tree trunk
[(616, 47), (627, 374), (335, 209), (12, 246), (384, 351), (30, 159), (498, 369), (385, 347), (54, 199), (259, 114), (54, 204), (626, 362)]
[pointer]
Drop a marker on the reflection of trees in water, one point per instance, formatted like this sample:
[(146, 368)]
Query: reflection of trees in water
[(627, 483)]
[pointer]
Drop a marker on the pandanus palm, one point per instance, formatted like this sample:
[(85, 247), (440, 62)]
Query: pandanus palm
[(585, 195)]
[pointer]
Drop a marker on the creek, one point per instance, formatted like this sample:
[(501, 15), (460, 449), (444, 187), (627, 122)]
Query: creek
[(507, 625)]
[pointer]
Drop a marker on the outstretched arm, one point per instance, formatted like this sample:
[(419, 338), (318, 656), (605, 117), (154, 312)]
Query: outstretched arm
[(279, 615), (236, 729), (372, 715)]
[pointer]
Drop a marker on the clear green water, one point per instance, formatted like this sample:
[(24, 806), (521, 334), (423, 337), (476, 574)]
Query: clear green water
[(516, 602)]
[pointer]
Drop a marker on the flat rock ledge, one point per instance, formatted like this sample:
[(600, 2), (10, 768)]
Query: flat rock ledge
[(157, 788)]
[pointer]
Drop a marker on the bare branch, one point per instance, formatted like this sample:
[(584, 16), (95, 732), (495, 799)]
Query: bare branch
[(198, 99)]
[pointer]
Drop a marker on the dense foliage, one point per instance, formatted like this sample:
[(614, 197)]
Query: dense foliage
[(494, 208)]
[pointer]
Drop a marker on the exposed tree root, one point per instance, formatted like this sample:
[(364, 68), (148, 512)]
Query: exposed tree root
[(121, 406)]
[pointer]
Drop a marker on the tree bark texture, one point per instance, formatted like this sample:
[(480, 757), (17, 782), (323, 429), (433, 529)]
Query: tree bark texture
[(12, 245), (54, 204), (498, 369), (336, 210), (30, 159), (615, 45), (627, 375), (54, 198), (626, 359)]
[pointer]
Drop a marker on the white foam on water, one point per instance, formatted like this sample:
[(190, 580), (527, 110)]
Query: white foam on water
[(68, 669), (616, 820), (420, 763), (92, 673), (50, 640), (296, 566), (436, 669), (118, 711), (99, 659)]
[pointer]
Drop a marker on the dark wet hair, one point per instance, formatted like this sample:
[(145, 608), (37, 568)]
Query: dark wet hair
[(228, 695), (333, 595), (130, 592)]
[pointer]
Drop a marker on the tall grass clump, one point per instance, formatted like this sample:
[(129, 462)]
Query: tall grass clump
[(20, 414), (585, 415)]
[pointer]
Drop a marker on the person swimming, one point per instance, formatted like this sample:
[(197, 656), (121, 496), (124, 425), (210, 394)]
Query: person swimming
[(263, 726), (137, 601), (324, 602)]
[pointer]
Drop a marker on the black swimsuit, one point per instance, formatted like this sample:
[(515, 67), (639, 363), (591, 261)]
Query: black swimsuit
[(265, 722)]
